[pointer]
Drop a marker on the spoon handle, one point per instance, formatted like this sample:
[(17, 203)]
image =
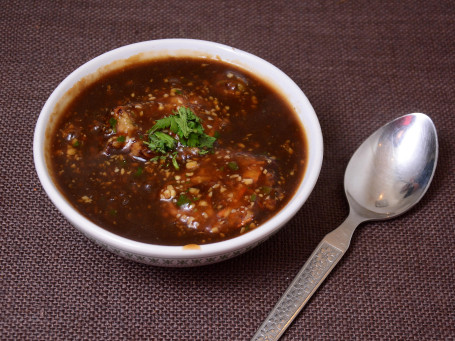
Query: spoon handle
[(323, 259)]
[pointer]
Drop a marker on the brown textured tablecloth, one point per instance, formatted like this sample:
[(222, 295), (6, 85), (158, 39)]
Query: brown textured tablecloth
[(360, 62)]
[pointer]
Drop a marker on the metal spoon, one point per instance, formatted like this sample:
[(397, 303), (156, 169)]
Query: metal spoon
[(387, 175)]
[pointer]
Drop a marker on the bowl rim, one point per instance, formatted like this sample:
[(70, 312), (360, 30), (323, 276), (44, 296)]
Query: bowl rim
[(301, 105)]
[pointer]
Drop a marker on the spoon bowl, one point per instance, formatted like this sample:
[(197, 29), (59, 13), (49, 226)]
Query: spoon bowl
[(390, 172), (387, 175)]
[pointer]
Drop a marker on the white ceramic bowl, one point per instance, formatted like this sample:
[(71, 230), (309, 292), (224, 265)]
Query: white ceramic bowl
[(177, 256)]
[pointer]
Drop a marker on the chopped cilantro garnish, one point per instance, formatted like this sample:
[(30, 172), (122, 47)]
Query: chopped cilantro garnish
[(139, 171), (183, 200), (203, 151), (121, 138), (76, 143), (266, 189), (187, 126), (233, 165), (113, 123), (253, 197), (206, 141), (161, 142), (175, 163)]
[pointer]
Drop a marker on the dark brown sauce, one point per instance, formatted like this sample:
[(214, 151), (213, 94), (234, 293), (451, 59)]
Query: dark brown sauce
[(100, 162)]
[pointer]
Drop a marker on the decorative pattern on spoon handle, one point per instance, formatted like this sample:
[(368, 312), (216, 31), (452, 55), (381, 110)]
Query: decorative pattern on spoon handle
[(317, 267)]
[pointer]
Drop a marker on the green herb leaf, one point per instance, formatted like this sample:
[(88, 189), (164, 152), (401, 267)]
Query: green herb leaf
[(233, 165), (253, 197), (161, 142), (168, 141), (174, 126), (183, 200), (175, 163), (203, 151), (161, 124), (187, 126), (193, 140), (113, 124), (121, 138), (266, 189), (182, 124), (206, 141), (139, 171)]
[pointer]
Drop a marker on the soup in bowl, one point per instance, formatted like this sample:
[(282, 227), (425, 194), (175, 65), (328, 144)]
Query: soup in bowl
[(178, 152)]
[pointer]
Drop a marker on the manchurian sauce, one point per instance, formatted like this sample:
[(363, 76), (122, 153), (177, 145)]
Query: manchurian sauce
[(225, 154)]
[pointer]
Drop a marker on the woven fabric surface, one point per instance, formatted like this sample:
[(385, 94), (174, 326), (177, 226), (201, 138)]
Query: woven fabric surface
[(361, 63)]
